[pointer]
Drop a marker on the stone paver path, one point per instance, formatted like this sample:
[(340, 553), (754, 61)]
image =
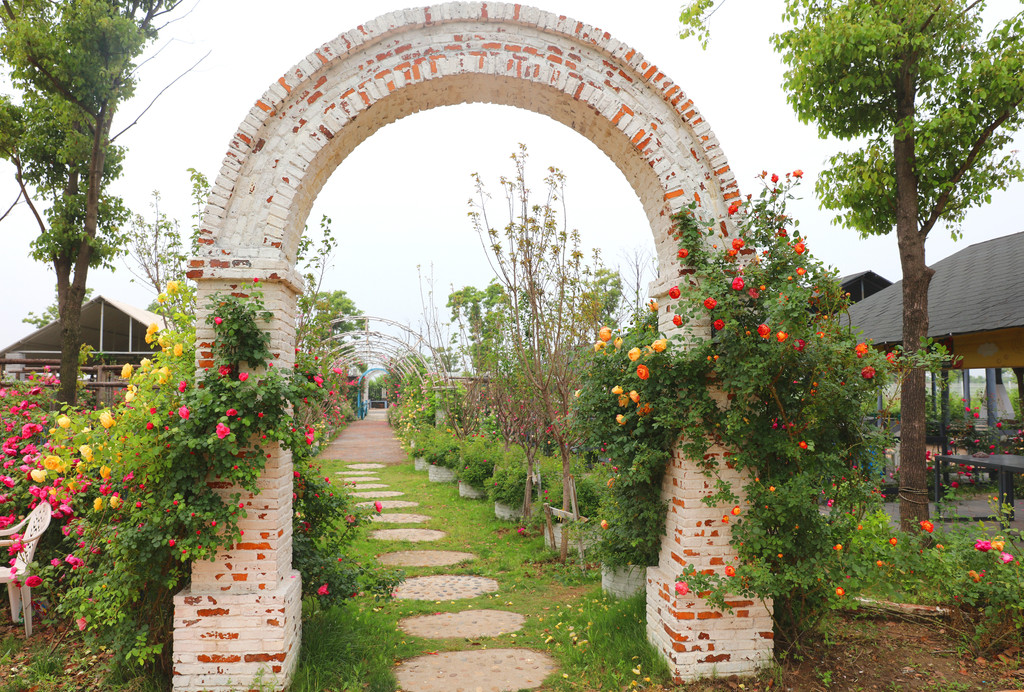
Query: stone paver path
[(414, 535), (424, 558), (445, 587), (492, 670), (468, 623), (390, 504), (399, 518), (371, 448)]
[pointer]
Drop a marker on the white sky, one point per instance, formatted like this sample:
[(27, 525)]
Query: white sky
[(400, 199)]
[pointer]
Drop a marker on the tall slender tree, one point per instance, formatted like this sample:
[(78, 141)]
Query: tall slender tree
[(933, 102), (73, 64)]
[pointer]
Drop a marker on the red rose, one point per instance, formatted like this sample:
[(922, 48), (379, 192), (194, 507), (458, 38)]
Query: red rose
[(753, 293), (683, 253), (775, 177), (867, 373), (730, 571), (733, 208), (677, 320), (763, 331), (673, 292), (737, 283), (737, 243), (799, 248), (799, 345), (710, 303), (33, 581), (719, 325)]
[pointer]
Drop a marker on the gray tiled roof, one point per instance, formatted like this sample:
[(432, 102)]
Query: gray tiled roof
[(980, 288)]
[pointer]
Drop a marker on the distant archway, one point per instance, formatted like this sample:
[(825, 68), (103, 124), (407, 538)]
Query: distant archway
[(278, 160)]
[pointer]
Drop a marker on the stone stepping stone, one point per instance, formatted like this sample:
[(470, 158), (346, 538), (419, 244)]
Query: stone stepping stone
[(445, 587), (390, 504), (353, 473), (365, 466), (424, 558), (488, 670), (368, 486), (378, 493), (360, 479), (414, 535), (398, 518), (469, 623)]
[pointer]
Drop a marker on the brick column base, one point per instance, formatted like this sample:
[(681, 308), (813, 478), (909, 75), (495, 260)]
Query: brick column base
[(224, 642)]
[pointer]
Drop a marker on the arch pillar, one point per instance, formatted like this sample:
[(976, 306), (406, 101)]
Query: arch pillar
[(239, 622)]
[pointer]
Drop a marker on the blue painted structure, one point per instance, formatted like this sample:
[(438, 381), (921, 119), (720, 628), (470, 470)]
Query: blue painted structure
[(363, 405)]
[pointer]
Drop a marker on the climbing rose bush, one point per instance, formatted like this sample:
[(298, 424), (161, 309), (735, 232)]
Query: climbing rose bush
[(767, 370)]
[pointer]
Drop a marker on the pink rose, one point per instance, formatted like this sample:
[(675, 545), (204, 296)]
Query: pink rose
[(34, 581), (378, 506), (183, 412), (682, 588), (81, 624), (1005, 557), (323, 591), (223, 430), (217, 320), (982, 545), (243, 377), (231, 412), (182, 386), (737, 283)]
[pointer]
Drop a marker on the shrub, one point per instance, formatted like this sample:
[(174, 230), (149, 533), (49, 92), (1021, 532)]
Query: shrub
[(479, 456), (441, 449), (508, 485)]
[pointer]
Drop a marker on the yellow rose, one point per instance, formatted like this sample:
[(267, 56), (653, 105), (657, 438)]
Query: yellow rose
[(163, 341), (178, 350), (64, 422), (149, 338), (620, 419), (618, 342), (107, 420), (97, 504), (146, 362), (634, 353), (599, 346), (86, 452), (53, 463), (164, 374), (126, 371), (128, 396), (660, 345), (162, 298), (172, 287), (38, 475), (152, 328), (105, 473), (115, 502), (617, 389)]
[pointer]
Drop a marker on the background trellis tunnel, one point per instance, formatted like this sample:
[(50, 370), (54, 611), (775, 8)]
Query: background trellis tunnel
[(241, 614)]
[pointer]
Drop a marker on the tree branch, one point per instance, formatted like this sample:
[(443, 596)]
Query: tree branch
[(24, 193), (966, 164), (151, 103), (11, 208)]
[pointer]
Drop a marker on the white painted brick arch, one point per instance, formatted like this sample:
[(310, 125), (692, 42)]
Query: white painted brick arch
[(241, 613)]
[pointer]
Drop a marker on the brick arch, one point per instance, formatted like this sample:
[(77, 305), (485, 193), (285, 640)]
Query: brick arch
[(278, 160)]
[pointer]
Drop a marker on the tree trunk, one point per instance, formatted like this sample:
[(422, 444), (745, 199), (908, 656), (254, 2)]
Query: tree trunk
[(917, 275), (69, 306)]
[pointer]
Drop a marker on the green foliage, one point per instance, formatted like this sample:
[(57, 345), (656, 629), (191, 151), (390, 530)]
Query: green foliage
[(776, 393), (144, 509), (508, 484), (440, 448), (324, 524), (73, 64), (479, 455), (914, 70)]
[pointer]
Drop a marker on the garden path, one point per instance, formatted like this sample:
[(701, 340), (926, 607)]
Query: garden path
[(370, 448)]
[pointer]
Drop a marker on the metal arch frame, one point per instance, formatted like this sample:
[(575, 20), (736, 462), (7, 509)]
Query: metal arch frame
[(362, 405), (369, 343), (415, 343)]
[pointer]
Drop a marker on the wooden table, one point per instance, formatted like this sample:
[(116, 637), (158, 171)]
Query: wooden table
[(1005, 464)]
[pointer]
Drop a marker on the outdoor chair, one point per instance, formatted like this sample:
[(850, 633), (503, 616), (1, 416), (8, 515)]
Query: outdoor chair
[(30, 528)]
